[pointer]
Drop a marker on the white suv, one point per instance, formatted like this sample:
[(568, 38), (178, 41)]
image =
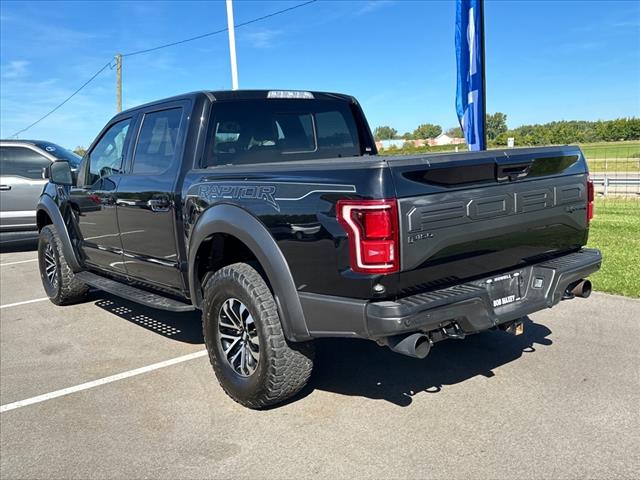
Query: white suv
[(21, 180)]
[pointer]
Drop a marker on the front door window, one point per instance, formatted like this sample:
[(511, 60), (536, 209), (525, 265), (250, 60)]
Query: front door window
[(106, 158)]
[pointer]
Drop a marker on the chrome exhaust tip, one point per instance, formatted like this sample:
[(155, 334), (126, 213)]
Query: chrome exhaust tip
[(416, 345), (582, 289)]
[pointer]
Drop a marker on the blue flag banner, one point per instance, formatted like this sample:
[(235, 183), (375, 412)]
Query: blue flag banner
[(470, 58)]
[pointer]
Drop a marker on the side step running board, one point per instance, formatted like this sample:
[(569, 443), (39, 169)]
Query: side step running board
[(134, 294)]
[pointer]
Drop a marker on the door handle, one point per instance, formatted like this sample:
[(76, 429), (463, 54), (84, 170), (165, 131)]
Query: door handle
[(109, 201), (159, 204), (5, 187)]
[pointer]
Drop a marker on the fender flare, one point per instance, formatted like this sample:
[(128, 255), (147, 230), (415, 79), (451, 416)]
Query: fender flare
[(234, 221), (47, 204)]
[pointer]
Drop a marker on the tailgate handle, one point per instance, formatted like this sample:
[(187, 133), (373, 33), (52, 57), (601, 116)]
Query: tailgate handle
[(512, 171)]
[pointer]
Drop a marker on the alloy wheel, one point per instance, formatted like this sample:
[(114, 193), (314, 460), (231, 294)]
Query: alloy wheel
[(50, 265), (238, 337)]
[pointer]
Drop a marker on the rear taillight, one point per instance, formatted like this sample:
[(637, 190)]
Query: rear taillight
[(590, 197), (372, 228)]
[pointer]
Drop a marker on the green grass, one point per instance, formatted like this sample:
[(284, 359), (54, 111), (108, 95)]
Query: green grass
[(614, 165), (615, 230), (612, 156), (611, 149)]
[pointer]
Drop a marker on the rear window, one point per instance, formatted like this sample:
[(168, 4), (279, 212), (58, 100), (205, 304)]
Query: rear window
[(270, 130)]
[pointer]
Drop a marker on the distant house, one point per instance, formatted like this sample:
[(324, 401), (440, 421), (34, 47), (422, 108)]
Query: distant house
[(398, 143), (444, 139)]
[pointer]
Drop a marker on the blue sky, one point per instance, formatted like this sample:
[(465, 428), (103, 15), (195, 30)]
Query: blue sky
[(545, 60)]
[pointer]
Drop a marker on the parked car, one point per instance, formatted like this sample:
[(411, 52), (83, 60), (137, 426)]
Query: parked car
[(22, 163), (272, 213)]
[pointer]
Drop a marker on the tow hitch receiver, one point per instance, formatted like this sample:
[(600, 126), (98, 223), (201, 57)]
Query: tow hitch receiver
[(514, 328)]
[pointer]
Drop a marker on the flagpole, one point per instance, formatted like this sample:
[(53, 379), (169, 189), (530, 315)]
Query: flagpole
[(232, 45), (484, 83)]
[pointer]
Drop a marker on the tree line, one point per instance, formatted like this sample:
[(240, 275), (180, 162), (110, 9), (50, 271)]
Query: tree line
[(558, 132), (422, 132), (573, 131), (496, 124)]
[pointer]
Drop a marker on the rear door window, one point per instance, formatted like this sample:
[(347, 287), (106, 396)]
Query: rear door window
[(155, 151), (270, 130), (22, 162)]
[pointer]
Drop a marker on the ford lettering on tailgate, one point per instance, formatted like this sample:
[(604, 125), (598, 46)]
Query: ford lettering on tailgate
[(470, 209)]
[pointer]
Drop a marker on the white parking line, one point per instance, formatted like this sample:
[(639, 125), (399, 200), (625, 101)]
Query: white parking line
[(16, 263), (24, 303), (101, 381)]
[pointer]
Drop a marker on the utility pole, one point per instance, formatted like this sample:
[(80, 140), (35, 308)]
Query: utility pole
[(118, 83), (232, 45)]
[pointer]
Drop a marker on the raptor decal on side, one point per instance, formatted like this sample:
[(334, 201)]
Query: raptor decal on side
[(211, 193), (271, 193)]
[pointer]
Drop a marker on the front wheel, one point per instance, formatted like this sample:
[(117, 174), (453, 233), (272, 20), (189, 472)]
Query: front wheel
[(58, 279), (254, 363)]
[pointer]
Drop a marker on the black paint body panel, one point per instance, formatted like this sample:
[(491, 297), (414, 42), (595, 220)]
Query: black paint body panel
[(463, 216)]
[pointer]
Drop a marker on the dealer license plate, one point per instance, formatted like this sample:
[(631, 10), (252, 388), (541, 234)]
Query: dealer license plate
[(504, 289)]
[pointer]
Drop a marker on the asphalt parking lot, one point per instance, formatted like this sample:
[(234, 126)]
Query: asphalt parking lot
[(560, 401)]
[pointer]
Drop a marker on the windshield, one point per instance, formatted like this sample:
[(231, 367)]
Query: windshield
[(60, 153)]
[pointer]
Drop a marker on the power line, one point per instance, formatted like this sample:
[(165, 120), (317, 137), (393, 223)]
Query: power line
[(64, 101), (216, 32), (179, 42)]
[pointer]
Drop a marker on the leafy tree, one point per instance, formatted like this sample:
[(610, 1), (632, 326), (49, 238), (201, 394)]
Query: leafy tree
[(496, 124), (80, 151), (455, 132), (427, 130), (385, 133), (407, 136)]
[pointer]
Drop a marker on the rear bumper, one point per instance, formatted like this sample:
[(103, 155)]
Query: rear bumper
[(469, 305)]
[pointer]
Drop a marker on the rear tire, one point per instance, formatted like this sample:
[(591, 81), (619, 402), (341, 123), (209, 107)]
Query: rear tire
[(58, 279), (239, 312)]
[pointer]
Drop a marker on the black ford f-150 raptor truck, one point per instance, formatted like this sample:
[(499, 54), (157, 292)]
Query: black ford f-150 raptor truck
[(272, 212)]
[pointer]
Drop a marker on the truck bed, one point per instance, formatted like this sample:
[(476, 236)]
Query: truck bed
[(470, 214)]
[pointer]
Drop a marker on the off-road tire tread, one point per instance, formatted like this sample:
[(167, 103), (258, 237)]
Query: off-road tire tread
[(290, 365), (71, 289)]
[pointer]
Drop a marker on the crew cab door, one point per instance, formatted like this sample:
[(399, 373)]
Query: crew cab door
[(146, 197), (94, 200)]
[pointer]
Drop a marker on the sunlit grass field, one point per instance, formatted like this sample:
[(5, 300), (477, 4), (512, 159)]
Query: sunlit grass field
[(612, 156), (611, 149), (615, 230)]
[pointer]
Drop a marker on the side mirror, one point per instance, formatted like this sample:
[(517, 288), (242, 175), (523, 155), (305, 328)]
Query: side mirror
[(60, 173)]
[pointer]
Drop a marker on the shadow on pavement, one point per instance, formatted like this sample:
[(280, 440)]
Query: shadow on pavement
[(362, 368), (183, 327), (10, 244)]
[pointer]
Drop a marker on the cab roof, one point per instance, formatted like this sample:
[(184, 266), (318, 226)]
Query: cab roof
[(225, 95)]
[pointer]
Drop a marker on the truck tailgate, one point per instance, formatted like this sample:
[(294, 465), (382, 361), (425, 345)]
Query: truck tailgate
[(465, 215)]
